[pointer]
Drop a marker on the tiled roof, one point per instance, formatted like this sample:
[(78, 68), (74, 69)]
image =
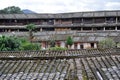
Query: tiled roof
[(61, 15), (103, 64)]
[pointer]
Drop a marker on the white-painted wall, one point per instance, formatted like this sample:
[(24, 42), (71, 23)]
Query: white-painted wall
[(72, 47), (95, 45), (43, 45), (62, 44), (86, 45), (78, 45)]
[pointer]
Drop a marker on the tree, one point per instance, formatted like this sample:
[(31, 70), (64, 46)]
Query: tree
[(52, 43), (69, 41), (107, 43), (31, 27), (51, 40), (11, 10), (9, 43), (17, 44)]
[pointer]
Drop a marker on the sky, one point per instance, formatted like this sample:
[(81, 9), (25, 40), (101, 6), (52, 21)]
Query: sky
[(62, 6)]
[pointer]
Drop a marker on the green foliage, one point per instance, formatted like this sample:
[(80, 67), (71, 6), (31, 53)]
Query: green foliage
[(31, 46), (107, 43), (69, 41), (23, 40), (16, 44), (9, 43), (118, 45), (52, 43), (31, 27), (26, 45), (11, 10), (57, 48)]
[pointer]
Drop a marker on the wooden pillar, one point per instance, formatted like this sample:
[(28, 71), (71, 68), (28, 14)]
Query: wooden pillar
[(17, 30), (81, 29), (54, 22), (105, 20), (82, 20), (5, 30), (92, 29), (103, 28), (116, 20), (40, 29), (116, 28), (9, 30), (93, 21)]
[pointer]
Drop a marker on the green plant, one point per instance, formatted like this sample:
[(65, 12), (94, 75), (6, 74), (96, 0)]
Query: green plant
[(52, 43), (11, 10), (9, 43), (107, 43), (57, 48), (31, 46), (15, 44), (31, 27), (69, 41), (118, 45), (26, 45)]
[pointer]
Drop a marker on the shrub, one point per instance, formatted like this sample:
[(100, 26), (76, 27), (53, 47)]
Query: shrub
[(107, 43), (69, 40), (9, 43), (57, 48), (31, 46)]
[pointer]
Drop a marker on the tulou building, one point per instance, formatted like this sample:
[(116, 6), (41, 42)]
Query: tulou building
[(78, 63), (86, 28)]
